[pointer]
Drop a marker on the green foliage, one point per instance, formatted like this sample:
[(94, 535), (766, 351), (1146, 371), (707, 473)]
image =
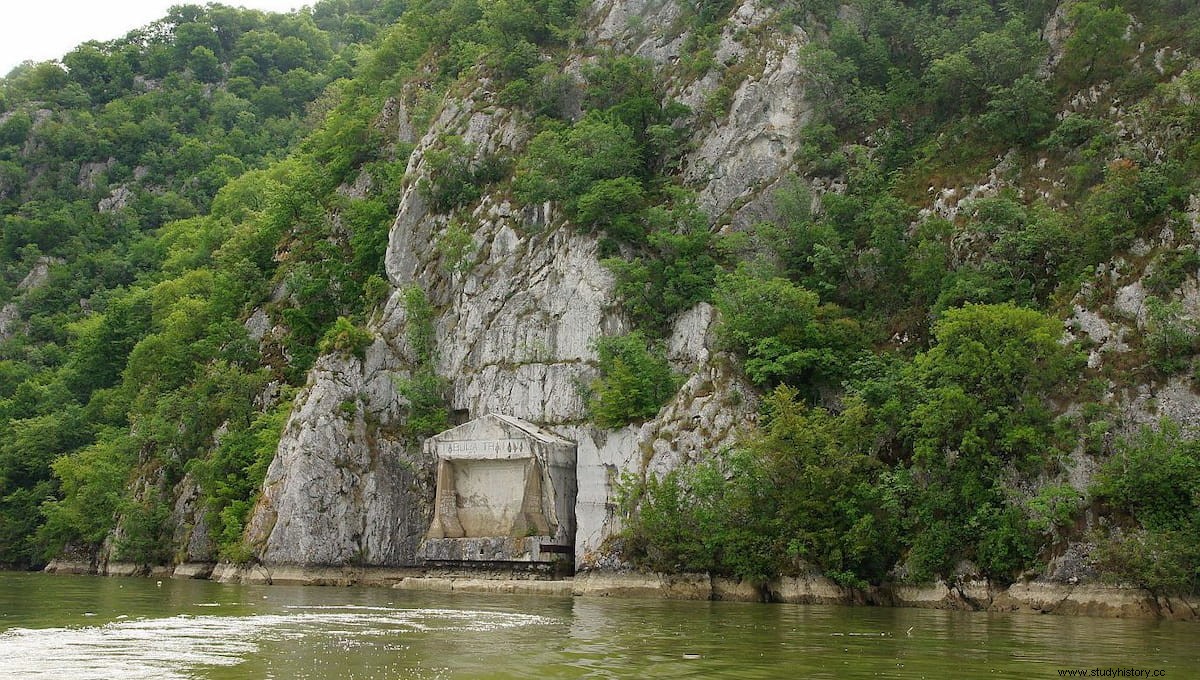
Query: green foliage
[(423, 388), (425, 392), (31, 444), (456, 247), (1030, 247), (232, 476), (145, 537), (1096, 48), (1019, 113), (204, 64), (1053, 508), (783, 331), (1172, 336), (809, 250), (611, 206), (136, 343), (376, 290), (991, 61), (93, 482), (563, 164), (1171, 269), (919, 64), (544, 92), (694, 520), (635, 380), (419, 330), (1155, 477), (814, 457), (982, 411), (677, 269), (916, 463), (1003, 353), (798, 494), (599, 168), (1161, 561), (368, 221), (1075, 130), (1154, 480), (1128, 202), (455, 178), (346, 338)]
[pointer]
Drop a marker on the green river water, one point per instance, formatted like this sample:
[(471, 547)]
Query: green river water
[(95, 628)]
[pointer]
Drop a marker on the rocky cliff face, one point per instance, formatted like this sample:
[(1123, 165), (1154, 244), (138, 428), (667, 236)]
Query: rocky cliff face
[(342, 488), (518, 321)]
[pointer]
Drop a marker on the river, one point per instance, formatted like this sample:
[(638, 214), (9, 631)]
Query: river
[(97, 628)]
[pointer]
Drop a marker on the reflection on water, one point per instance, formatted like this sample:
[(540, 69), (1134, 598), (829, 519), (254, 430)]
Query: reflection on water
[(94, 628)]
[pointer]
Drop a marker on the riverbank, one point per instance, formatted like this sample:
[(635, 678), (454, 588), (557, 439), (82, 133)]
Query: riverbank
[(1034, 597)]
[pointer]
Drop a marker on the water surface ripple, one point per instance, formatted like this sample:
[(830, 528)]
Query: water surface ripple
[(90, 628)]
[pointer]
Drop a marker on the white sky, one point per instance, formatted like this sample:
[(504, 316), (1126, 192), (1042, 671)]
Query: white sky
[(48, 29)]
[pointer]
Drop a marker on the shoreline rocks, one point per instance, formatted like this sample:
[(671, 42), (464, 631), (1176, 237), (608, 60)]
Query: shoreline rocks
[(1031, 597)]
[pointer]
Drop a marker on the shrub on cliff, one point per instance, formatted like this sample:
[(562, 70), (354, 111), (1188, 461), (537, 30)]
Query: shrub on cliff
[(784, 332), (982, 414), (635, 381), (802, 491), (346, 338), (1153, 485)]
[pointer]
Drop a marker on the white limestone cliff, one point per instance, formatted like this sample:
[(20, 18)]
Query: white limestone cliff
[(517, 323)]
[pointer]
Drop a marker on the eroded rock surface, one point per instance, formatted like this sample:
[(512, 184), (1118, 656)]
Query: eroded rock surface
[(342, 488)]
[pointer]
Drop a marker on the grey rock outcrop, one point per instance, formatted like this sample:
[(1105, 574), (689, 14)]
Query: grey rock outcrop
[(39, 274), (9, 314), (342, 488), (91, 173), (191, 527), (645, 28), (739, 158), (116, 200)]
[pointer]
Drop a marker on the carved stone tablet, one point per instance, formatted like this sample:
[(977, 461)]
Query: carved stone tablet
[(505, 493)]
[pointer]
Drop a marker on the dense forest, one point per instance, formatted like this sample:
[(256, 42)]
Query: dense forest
[(194, 213)]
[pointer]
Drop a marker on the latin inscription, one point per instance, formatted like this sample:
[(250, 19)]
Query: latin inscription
[(493, 448)]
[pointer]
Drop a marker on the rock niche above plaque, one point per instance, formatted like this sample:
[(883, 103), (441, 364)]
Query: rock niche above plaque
[(505, 493)]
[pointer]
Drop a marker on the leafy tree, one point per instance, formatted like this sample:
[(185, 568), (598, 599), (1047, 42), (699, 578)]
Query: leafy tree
[(346, 338), (611, 205), (1096, 47), (783, 331), (678, 269), (991, 61), (232, 475), (455, 178), (696, 520), (1154, 480), (982, 412), (1172, 336), (204, 64), (635, 381), (799, 493), (834, 509), (93, 482), (562, 165)]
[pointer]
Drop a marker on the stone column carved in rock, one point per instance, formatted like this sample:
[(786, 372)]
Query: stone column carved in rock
[(445, 505), (532, 520)]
